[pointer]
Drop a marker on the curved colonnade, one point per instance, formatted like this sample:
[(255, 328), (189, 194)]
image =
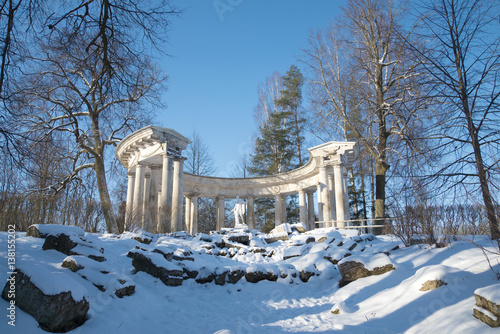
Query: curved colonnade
[(159, 190)]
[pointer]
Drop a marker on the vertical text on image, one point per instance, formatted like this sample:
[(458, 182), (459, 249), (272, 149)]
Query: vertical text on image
[(11, 266)]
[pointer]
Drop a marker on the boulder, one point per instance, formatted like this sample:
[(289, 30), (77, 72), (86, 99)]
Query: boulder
[(155, 265), (43, 230), (234, 275), (432, 284), (57, 313), (273, 237), (256, 274), (240, 238), (487, 308), (305, 275), (62, 242), (101, 276), (357, 267)]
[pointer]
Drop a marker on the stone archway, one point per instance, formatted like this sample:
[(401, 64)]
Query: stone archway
[(157, 184)]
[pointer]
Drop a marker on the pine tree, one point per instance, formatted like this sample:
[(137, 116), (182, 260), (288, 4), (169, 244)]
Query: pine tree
[(278, 147), (290, 102), (274, 149)]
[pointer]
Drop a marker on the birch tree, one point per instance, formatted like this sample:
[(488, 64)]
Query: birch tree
[(365, 81), (462, 58)]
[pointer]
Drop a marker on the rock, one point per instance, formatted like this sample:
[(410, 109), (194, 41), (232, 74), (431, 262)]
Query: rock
[(97, 258), (350, 245), (167, 272), (335, 255), (322, 239), (254, 275), (351, 270), (71, 264), (234, 275), (432, 284), (270, 238), (220, 279), (295, 251), (143, 239), (167, 253), (203, 237), (300, 227), (487, 308), (128, 290), (58, 313), (257, 250), (240, 238), (305, 275), (43, 230), (61, 242), (282, 228), (100, 276)]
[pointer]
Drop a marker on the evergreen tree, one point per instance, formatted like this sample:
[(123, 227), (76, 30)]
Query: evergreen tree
[(279, 145), (274, 151), (291, 98)]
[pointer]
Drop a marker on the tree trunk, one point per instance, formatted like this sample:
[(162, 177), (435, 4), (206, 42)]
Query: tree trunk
[(481, 172), (107, 206)]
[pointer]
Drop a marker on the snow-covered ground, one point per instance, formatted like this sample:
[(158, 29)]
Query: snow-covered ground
[(388, 303)]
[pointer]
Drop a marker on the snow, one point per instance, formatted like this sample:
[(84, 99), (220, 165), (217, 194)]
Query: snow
[(376, 304), (492, 293)]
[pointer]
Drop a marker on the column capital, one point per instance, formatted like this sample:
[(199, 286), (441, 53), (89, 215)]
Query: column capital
[(131, 174)]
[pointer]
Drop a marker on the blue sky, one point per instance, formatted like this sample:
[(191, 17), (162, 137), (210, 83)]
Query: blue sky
[(220, 51)]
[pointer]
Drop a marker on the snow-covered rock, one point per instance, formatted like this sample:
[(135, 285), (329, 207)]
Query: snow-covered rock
[(360, 266), (157, 266), (55, 300), (43, 230), (487, 308)]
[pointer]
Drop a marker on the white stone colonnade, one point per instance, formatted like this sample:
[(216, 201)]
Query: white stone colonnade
[(157, 184)]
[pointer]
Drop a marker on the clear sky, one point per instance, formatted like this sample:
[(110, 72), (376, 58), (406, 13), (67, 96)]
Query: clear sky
[(220, 51)]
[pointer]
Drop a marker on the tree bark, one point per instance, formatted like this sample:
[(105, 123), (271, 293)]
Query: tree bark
[(106, 204)]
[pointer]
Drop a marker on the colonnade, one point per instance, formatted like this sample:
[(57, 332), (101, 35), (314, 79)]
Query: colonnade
[(154, 195), (162, 198)]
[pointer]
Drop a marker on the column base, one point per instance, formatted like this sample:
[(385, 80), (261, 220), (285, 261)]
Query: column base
[(241, 226)]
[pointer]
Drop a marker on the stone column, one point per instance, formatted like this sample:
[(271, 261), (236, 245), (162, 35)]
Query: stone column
[(153, 197), (278, 210), (194, 216), (339, 194), (177, 196), (165, 206), (187, 215), (331, 187), (320, 203), (130, 199), (146, 221), (138, 194), (310, 210), (302, 208), (283, 209), (251, 212), (347, 212), (220, 212), (325, 198)]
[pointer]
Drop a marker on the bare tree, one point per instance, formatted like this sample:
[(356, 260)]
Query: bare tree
[(199, 159), (462, 58), (89, 80), (365, 80), (269, 92)]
